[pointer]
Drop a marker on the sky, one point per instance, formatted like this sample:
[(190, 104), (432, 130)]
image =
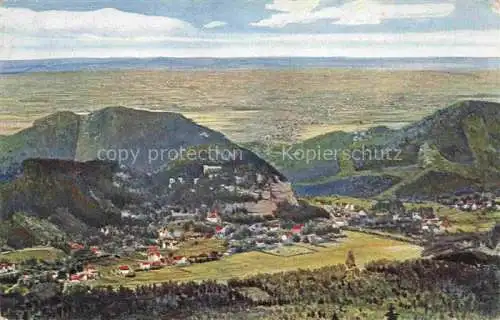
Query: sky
[(41, 29)]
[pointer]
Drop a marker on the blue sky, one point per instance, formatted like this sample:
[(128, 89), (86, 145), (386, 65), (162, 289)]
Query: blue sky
[(225, 28)]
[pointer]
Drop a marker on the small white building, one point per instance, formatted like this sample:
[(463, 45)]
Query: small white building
[(145, 266), (416, 216), (7, 267), (239, 180), (211, 169), (339, 224), (126, 214), (286, 240), (260, 244), (349, 207), (260, 178), (154, 256), (182, 262), (124, 270), (213, 217)]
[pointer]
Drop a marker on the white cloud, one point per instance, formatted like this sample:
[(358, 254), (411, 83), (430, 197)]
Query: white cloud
[(356, 12), (369, 45), (104, 22), (295, 6), (215, 24)]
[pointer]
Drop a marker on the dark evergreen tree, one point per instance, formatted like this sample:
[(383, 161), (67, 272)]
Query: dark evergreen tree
[(391, 314), (350, 262)]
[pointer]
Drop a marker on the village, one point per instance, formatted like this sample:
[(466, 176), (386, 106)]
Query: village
[(145, 247), (219, 214), (472, 202)]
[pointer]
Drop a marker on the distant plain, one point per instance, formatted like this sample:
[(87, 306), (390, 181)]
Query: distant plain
[(250, 105)]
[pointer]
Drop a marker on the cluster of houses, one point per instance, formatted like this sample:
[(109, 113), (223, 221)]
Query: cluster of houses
[(240, 238), (273, 233), (27, 275), (7, 267), (88, 273), (389, 217), (155, 260), (473, 202)]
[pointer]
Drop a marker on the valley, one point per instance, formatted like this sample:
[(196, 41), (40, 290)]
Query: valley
[(202, 206), (250, 105)]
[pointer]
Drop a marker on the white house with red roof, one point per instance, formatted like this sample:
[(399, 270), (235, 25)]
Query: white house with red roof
[(124, 270), (154, 254), (220, 232), (96, 251), (145, 266)]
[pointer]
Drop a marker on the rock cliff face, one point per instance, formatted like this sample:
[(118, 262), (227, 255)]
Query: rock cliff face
[(279, 193), (47, 186), (282, 192)]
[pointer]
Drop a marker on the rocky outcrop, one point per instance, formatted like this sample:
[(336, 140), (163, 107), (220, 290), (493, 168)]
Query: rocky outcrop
[(282, 192), (49, 186)]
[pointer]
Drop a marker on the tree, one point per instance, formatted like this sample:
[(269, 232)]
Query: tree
[(187, 226), (446, 222), (350, 262), (391, 314), (335, 316)]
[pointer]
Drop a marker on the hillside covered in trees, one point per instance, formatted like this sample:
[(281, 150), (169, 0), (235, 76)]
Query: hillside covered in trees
[(421, 289)]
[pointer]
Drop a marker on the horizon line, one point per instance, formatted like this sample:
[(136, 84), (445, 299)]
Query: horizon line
[(250, 57)]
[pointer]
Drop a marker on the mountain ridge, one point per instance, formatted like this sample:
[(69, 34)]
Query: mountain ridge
[(157, 138), (462, 141), (56, 177)]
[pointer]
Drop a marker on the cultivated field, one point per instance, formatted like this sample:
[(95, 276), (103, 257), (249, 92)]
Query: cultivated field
[(250, 105), (365, 247)]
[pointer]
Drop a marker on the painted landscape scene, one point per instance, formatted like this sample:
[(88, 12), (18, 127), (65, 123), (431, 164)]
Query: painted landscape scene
[(253, 159)]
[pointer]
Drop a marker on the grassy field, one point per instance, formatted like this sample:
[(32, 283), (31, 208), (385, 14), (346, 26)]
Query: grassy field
[(45, 253), (247, 105), (196, 247), (365, 247)]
